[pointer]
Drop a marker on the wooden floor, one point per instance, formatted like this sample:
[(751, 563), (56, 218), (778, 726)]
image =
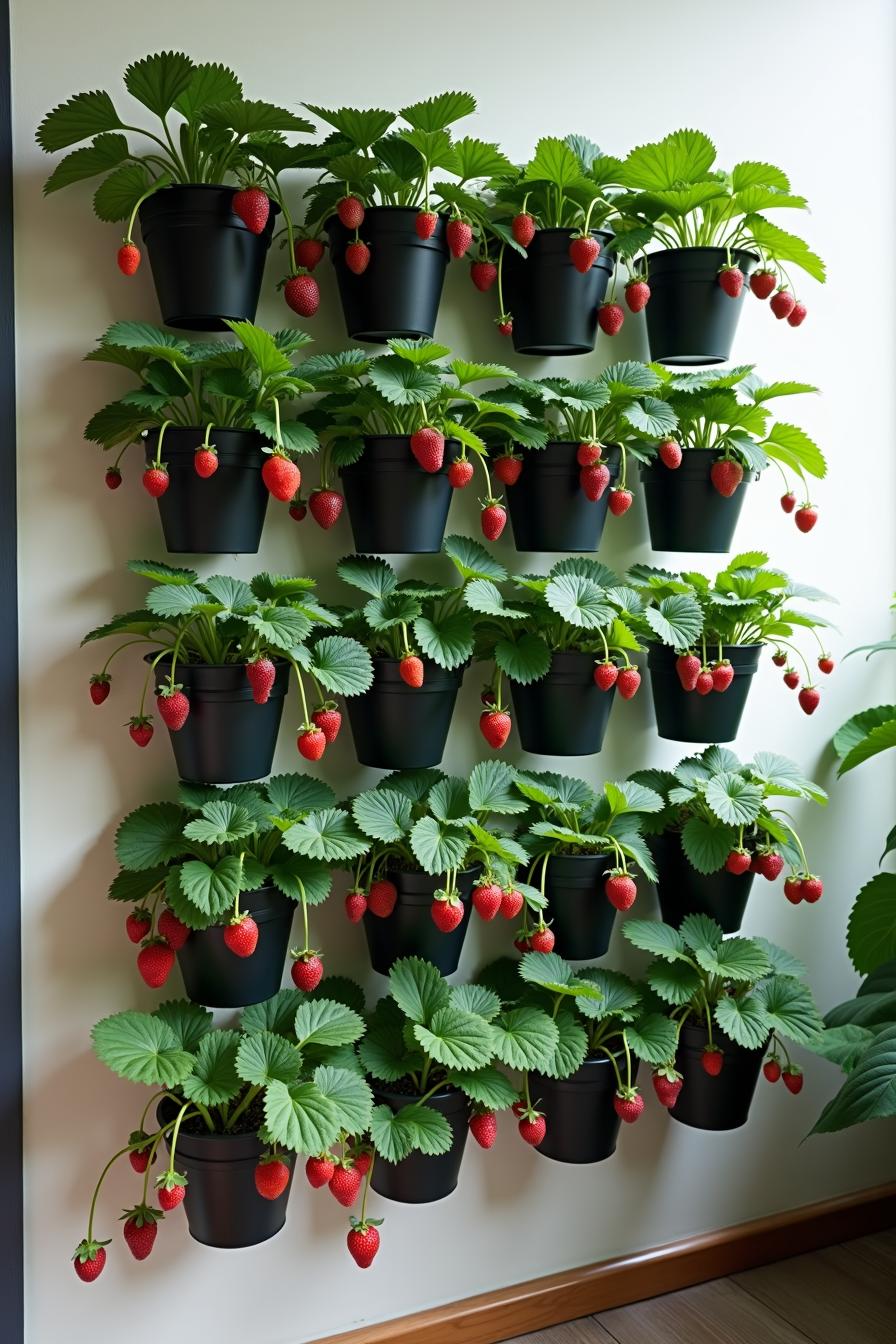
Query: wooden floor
[(843, 1295)]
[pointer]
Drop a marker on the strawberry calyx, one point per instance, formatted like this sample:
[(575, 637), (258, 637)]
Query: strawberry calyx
[(142, 1215), (89, 1248)]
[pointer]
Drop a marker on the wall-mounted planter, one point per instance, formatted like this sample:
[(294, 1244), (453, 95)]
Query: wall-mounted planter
[(580, 914), (401, 727), (215, 977), (549, 511), (685, 512), (690, 318), (716, 1103), (227, 738), (554, 306), (564, 714), (222, 1205), (683, 891), (410, 932), (419, 1179), (394, 506), (685, 716), (206, 264), (398, 294), (582, 1124), (222, 514)]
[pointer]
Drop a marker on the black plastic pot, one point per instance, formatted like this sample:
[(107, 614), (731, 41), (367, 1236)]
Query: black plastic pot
[(564, 714), (222, 1205), (580, 914), (410, 932), (206, 264), (399, 293), (223, 513), (554, 306), (714, 1103), (685, 512), (400, 727), (685, 716), (690, 318), (217, 978), (419, 1179), (394, 506), (227, 737), (549, 511), (683, 891), (582, 1124)]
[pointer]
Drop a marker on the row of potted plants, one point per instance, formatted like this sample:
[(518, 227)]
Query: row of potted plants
[(206, 179)]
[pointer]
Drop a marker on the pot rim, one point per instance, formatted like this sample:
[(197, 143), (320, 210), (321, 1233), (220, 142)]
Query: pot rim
[(718, 251)]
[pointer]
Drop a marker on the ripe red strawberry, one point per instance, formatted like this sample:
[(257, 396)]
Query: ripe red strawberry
[(507, 468), (809, 698), (620, 891), (113, 478), (261, 675), (271, 1177), (351, 212), (488, 696), (584, 252), (362, 1162), (594, 481), (205, 462), (140, 1230), (813, 888), (826, 664), (797, 315), (308, 252), (89, 1261), (382, 897), (722, 675), (484, 1128), (726, 475), (100, 686), (519, 1108), (731, 278), (172, 929), (493, 519), (806, 517), (670, 454), (610, 318), (533, 1129), (793, 889), (704, 685), (788, 502), (738, 862), (345, 1184), (357, 257), (328, 720), (155, 481), (511, 903), (253, 207), (779, 659), (628, 1105), (667, 1088), (241, 936), (302, 294), (446, 914), (460, 473), (281, 476), (355, 906), (363, 1242), (307, 972), (173, 707), (154, 962), (628, 681), (138, 925), (425, 223), (458, 236), (793, 1078), (542, 940), (772, 1069), (140, 729), (637, 295), (298, 509), (411, 670), (588, 454), (687, 665), (620, 501), (487, 899), (325, 506), (504, 323), (170, 1192), (605, 675), (762, 283), (428, 447), (494, 725), (522, 226), (712, 1060), (319, 1170), (129, 257), (483, 274), (311, 743), (522, 945), (770, 864), (139, 1157), (791, 679), (783, 304)]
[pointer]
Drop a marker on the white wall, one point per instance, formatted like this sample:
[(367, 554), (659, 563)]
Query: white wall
[(795, 84)]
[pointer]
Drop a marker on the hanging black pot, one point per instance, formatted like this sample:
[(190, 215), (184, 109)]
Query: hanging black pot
[(717, 1103), (564, 714), (401, 727), (582, 1124), (410, 932), (549, 510), (222, 1205), (394, 506), (554, 306), (579, 912), (206, 264), (683, 891), (690, 318), (398, 294), (685, 716), (685, 512), (227, 738), (223, 513), (216, 977), (419, 1179)]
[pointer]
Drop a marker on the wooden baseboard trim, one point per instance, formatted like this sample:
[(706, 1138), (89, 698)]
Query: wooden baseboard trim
[(540, 1303)]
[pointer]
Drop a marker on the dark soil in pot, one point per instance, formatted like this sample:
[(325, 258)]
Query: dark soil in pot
[(564, 714), (685, 512), (222, 1205), (394, 506), (223, 513), (580, 914), (215, 977), (690, 318), (554, 306), (714, 1103), (548, 509), (419, 1179), (582, 1124), (683, 891), (206, 264), (399, 292), (685, 716), (401, 727), (410, 932), (227, 738)]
